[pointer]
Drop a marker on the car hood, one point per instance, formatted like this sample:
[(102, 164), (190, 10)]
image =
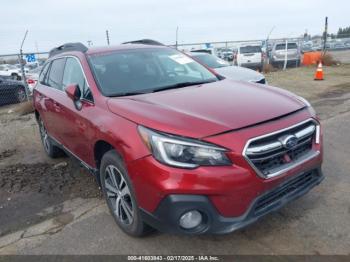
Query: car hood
[(204, 110), (239, 73)]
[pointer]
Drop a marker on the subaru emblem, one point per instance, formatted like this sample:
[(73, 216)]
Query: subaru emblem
[(289, 141)]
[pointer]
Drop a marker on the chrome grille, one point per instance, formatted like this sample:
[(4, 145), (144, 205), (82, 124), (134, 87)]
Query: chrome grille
[(271, 155)]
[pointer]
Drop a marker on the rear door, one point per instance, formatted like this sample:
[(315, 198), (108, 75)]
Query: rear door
[(46, 94)]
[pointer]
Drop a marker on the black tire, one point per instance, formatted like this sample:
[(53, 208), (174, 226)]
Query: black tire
[(21, 94), (120, 195), (15, 76), (50, 149)]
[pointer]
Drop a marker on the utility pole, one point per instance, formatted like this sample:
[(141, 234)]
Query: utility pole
[(177, 30), (325, 35), (107, 37), (22, 66), (285, 55), (267, 58)]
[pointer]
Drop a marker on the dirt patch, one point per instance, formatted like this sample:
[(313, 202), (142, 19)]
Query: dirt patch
[(336, 91), (26, 190), (47, 179), (7, 153), (25, 108)]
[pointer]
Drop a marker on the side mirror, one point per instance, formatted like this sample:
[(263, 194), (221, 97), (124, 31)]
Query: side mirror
[(73, 92)]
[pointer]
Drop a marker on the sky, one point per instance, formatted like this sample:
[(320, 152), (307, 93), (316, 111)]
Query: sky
[(52, 23)]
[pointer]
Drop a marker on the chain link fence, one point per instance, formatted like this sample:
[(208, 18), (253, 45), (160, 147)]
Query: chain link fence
[(19, 72), (18, 76), (275, 52)]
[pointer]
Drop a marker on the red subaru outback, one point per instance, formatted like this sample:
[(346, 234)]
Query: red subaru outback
[(173, 145)]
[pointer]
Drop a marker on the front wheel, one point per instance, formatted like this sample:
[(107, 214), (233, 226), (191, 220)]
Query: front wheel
[(120, 197)]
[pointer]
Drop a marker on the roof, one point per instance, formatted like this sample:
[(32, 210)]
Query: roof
[(79, 47), (107, 49)]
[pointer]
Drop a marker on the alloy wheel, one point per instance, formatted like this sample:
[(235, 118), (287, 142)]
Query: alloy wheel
[(21, 95), (44, 136), (118, 195)]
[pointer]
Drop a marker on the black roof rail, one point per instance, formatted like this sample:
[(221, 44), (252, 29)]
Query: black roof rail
[(68, 47), (144, 42)]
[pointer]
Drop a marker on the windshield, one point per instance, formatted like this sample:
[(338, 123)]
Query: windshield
[(211, 61), (137, 71), (250, 49)]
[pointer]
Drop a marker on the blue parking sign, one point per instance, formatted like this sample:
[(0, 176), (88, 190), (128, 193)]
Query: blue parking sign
[(30, 58)]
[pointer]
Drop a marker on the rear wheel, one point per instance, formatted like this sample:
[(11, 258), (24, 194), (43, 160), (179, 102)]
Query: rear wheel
[(120, 197), (50, 149), (21, 94)]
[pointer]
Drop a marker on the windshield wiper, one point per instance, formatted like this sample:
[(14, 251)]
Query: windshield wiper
[(130, 93), (182, 84)]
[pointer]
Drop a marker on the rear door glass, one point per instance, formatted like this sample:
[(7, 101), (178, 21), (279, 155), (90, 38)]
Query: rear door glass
[(292, 46)]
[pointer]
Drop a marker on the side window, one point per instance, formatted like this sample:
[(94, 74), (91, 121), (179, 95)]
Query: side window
[(73, 74), (54, 78), (43, 74)]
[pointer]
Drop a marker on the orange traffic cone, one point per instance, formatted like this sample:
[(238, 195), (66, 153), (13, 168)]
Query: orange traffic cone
[(319, 72)]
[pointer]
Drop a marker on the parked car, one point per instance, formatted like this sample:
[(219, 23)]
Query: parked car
[(32, 77), (278, 54), (227, 70), (250, 56), (210, 50), (11, 91), (10, 70), (173, 145), (227, 54)]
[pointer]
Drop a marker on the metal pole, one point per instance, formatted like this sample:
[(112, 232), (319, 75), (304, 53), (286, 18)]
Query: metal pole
[(107, 36), (285, 56), (267, 46), (22, 67), (177, 30), (325, 35)]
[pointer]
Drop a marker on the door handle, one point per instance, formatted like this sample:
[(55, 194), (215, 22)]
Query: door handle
[(57, 106)]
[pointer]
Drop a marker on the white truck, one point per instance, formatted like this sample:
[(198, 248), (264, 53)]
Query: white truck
[(249, 55)]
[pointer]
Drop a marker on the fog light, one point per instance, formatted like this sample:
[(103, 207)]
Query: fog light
[(191, 219)]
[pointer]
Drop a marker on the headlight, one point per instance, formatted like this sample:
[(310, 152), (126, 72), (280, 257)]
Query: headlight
[(182, 152)]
